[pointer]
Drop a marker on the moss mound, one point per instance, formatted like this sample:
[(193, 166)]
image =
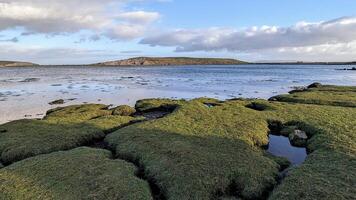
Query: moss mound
[(204, 149), (81, 173), (123, 110), (322, 95), (201, 152), (62, 129)]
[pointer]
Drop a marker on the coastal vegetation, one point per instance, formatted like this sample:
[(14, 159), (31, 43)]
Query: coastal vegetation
[(16, 64), (176, 61), (197, 149)]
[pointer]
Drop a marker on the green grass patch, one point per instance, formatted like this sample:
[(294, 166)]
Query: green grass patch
[(323, 95), (204, 149), (82, 173), (62, 129), (201, 152)]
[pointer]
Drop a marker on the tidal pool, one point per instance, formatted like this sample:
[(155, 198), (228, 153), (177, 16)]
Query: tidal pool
[(281, 146)]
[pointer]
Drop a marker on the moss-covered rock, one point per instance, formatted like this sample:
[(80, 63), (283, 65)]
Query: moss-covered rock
[(62, 129), (123, 110), (322, 95), (81, 173)]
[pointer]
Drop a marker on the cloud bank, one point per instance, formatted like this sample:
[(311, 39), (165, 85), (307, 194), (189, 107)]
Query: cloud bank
[(302, 37), (102, 17)]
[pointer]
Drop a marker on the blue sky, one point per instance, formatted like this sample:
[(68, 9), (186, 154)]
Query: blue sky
[(73, 32)]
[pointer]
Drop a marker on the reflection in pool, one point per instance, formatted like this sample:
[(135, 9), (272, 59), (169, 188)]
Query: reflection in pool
[(281, 146)]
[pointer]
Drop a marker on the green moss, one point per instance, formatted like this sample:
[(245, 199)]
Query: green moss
[(198, 152), (111, 122), (62, 129), (26, 138), (152, 104), (123, 110), (184, 150), (323, 95), (81, 173), (204, 149), (77, 113)]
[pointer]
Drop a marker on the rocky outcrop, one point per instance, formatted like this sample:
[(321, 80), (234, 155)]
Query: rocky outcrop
[(164, 61), (16, 64)]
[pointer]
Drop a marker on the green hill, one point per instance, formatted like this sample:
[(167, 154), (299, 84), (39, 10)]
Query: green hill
[(164, 61)]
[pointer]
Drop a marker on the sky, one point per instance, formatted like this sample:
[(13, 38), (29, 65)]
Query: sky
[(90, 31)]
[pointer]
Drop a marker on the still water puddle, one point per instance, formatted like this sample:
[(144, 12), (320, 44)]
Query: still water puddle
[(281, 146)]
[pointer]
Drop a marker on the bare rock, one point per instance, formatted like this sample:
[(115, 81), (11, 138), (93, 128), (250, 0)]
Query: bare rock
[(298, 138)]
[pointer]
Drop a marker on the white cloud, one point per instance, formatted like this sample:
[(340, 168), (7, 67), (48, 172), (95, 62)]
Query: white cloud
[(44, 55), (139, 17), (304, 37), (104, 17)]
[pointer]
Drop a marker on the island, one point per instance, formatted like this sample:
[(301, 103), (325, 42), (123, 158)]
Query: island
[(16, 64), (165, 61)]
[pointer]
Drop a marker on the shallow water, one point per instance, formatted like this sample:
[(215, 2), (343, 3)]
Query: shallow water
[(27, 91), (281, 146)]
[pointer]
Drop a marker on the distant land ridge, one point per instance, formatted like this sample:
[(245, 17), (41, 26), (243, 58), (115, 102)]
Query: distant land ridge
[(164, 61), (16, 64)]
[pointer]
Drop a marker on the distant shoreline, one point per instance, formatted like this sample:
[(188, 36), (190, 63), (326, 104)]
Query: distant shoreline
[(170, 61)]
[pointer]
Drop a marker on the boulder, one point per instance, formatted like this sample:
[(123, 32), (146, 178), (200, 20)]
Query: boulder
[(123, 110), (298, 138)]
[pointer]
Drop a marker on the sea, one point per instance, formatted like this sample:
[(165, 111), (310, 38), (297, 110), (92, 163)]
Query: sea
[(25, 92)]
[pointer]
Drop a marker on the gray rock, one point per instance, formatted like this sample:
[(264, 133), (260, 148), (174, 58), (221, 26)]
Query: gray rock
[(298, 138)]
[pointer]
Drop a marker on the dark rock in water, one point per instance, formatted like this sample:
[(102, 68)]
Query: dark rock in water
[(298, 138), (347, 69), (315, 85), (56, 102), (56, 85), (124, 110), (29, 80)]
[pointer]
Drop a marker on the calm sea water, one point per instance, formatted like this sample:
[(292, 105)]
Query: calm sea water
[(25, 92)]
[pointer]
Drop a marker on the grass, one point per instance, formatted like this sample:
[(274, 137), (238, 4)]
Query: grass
[(204, 149), (323, 95), (82, 173), (62, 129), (199, 151)]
